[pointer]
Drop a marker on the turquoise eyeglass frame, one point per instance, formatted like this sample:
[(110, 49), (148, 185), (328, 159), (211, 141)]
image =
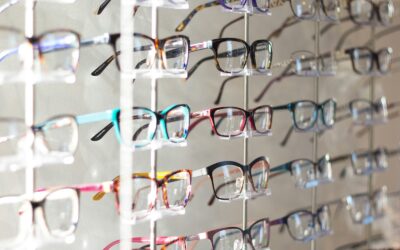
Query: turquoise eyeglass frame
[(113, 116)]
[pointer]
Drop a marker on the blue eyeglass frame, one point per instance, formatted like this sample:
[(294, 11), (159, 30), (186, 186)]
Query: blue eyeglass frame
[(114, 114), (317, 107)]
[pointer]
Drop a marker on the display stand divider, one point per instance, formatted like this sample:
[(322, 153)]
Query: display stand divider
[(153, 152), (126, 104), (29, 82), (245, 140), (371, 138), (314, 195)]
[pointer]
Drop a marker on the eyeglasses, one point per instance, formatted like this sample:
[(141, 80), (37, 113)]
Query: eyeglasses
[(365, 11), (175, 186), (231, 55), (229, 122), (365, 112), (173, 122), (255, 237), (228, 179), (306, 115), (55, 141), (56, 211), (236, 5), (172, 52), (364, 59), (367, 162), (59, 65), (303, 225), (364, 209), (307, 174)]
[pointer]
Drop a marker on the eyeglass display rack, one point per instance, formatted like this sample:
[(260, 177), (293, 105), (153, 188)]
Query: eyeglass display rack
[(127, 97)]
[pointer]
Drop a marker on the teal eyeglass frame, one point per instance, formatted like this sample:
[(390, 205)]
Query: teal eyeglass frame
[(113, 116)]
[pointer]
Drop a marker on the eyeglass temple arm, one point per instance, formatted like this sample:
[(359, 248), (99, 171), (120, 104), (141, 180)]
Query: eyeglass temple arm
[(222, 87), (221, 33), (107, 62), (340, 158), (383, 33), (185, 22), (363, 243), (346, 34), (290, 21), (102, 7), (283, 75), (331, 25)]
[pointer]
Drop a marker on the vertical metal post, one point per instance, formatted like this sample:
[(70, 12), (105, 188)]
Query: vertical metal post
[(245, 107), (315, 135), (29, 95), (126, 103), (29, 60), (154, 104), (371, 138)]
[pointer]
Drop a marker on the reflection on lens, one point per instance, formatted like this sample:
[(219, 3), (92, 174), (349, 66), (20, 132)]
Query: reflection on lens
[(328, 110), (60, 54), (263, 5), (304, 62), (229, 121), (259, 174), (228, 239), (381, 159), (262, 54), (303, 171), (15, 220), (259, 233), (304, 8), (386, 12), (176, 53), (332, 9), (143, 198), (144, 52), (301, 225), (178, 190), (144, 124), (228, 181), (384, 60), (360, 208), (324, 219), (13, 136), (361, 111), (232, 56), (362, 60), (11, 52), (61, 210), (60, 135), (177, 123), (361, 11), (363, 162), (305, 115), (262, 119)]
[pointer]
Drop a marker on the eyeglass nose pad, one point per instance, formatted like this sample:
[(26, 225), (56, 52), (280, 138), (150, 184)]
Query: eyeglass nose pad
[(151, 57)]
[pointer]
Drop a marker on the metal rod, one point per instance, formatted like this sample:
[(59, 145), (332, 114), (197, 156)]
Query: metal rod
[(245, 107), (153, 152), (315, 135), (371, 138), (126, 103)]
